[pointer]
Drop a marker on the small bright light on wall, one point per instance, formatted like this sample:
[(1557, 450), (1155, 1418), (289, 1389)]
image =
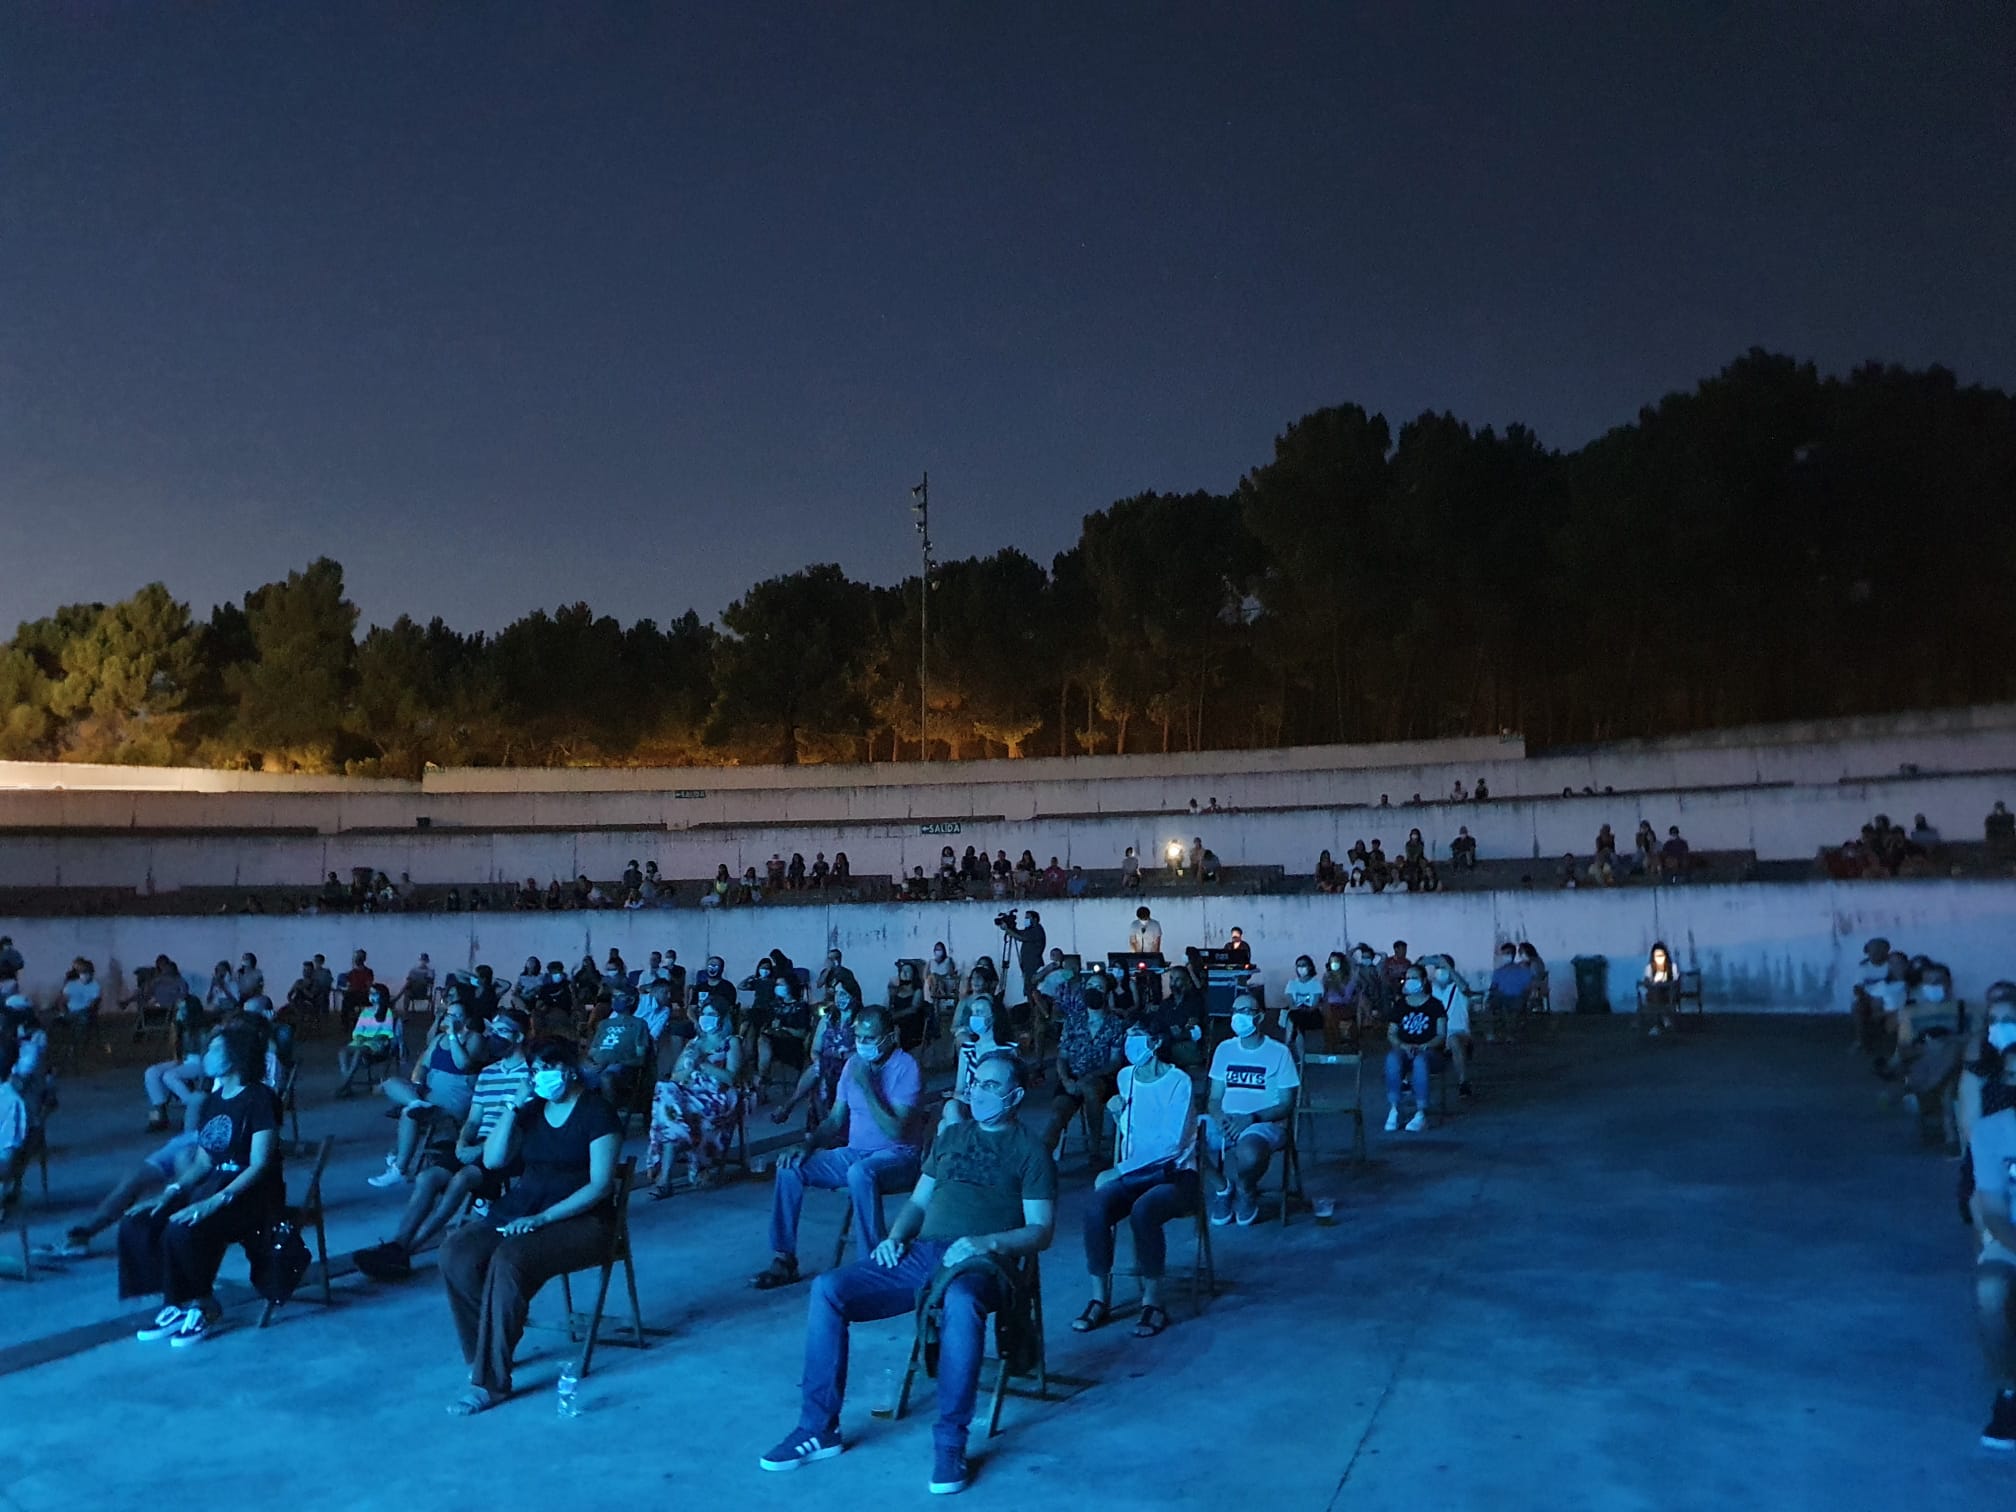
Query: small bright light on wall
[(1175, 850)]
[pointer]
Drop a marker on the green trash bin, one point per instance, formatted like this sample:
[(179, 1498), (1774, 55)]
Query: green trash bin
[(1592, 984)]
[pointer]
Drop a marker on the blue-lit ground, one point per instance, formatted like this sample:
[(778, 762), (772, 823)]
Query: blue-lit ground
[(1699, 1274)]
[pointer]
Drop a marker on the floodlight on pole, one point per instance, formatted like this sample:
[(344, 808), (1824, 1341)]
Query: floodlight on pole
[(920, 505)]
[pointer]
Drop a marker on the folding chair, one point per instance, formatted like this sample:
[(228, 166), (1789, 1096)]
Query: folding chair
[(1202, 1277), (290, 1106), (1023, 1312), (310, 1211), (1345, 1070), (630, 1335), (374, 1065), (1690, 992), (1291, 1174)]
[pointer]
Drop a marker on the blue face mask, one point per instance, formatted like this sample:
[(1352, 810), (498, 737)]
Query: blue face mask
[(989, 1106)]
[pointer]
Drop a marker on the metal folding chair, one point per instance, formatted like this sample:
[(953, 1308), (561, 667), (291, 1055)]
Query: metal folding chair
[(588, 1326), (309, 1211)]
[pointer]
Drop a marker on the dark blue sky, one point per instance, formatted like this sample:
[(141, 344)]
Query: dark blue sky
[(508, 306)]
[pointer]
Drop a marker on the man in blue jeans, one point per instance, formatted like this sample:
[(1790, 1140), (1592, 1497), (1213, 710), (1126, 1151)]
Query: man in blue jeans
[(874, 1113), (987, 1197)]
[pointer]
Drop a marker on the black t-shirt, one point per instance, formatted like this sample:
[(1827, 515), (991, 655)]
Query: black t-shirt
[(1239, 953), (1414, 1023), (224, 1131), (555, 1160)]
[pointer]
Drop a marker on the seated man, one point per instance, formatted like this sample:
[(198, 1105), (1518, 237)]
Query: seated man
[(1417, 1035), (1253, 1082), (868, 1144), (450, 1178), (171, 1163), (619, 1052), (1091, 1049), (1505, 998), (1673, 854), (987, 1199), (81, 995), (1868, 997), (1988, 1121), (14, 1126)]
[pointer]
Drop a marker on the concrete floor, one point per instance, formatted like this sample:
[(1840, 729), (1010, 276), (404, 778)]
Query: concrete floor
[(1698, 1274)]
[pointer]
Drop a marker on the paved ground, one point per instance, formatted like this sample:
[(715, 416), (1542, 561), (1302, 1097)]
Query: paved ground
[(1700, 1274)]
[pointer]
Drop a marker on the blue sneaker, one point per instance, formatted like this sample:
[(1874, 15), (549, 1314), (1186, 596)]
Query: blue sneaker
[(1246, 1207), (948, 1471), (1219, 1202), (801, 1448)]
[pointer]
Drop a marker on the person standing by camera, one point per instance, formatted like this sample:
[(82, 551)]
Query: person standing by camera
[(1030, 942)]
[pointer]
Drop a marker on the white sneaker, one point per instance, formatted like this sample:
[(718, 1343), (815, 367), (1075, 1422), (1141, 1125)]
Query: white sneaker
[(165, 1323), (1392, 1119), (1417, 1123), (1653, 1033), (391, 1176)]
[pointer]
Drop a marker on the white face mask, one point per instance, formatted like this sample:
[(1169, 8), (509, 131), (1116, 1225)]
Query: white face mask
[(1442, 976), (1933, 992), (1243, 1025), (709, 1022), (989, 1106), (1140, 1050), (2002, 1034), (549, 1082), (980, 1024)]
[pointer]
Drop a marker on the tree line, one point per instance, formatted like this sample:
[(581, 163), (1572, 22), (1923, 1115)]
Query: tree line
[(1774, 544)]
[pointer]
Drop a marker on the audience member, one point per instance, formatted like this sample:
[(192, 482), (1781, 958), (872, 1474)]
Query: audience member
[(1999, 829), (1987, 1118), (1153, 1178), (436, 1097), (1463, 849), (1452, 1000), (1660, 992), (1130, 871), (695, 1111), (1505, 999), (986, 1201), (1329, 877), (1253, 1082), (1416, 1049), (374, 1037), (867, 1145), (1091, 1048), (554, 1218), (174, 1245), (620, 1055)]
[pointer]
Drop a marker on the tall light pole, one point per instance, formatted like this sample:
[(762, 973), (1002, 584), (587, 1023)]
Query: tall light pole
[(920, 506)]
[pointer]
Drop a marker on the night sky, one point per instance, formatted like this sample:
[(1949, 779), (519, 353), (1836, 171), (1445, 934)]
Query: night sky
[(506, 307)]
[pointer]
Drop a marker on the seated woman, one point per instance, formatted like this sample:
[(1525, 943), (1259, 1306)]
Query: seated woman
[(1658, 990), (374, 1038), (787, 1028), (13, 1126), (794, 874), (1025, 875), (693, 1111), (1305, 999), (234, 1189), (843, 869), (1342, 993), (1329, 877), (1091, 1049), (1153, 1177), (832, 1043), (974, 1041), (1417, 1036), (1452, 997), (1987, 1122), (178, 1080), (436, 1098), (909, 1005), (1182, 1015), (941, 979), (1539, 996), (719, 890), (555, 1218)]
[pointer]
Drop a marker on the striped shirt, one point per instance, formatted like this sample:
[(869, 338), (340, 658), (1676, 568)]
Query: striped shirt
[(497, 1086)]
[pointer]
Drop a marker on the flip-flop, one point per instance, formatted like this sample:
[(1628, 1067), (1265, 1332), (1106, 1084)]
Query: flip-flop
[(476, 1399), (1153, 1320), (1096, 1315), (774, 1277)]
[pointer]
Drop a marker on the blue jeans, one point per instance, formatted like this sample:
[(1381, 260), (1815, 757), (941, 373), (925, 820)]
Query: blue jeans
[(866, 1175), (1425, 1062), (865, 1291)]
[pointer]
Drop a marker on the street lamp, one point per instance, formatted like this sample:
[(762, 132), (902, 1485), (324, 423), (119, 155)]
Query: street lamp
[(920, 506)]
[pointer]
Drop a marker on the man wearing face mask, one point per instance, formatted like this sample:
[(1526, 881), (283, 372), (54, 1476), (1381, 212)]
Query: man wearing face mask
[(1253, 1082), (1987, 1120), (985, 1202), (867, 1145), (836, 973), (553, 1004), (1090, 1050), (1416, 1032)]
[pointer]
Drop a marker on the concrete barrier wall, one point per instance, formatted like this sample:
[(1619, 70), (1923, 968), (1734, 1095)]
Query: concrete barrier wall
[(1761, 948), (1776, 823)]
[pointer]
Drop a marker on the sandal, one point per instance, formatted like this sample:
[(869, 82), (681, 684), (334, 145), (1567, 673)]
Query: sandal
[(476, 1399), (778, 1273), (1153, 1320), (660, 1190), (1095, 1316)]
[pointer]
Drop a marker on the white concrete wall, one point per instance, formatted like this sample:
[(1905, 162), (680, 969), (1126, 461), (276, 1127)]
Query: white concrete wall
[(1761, 948), (1777, 823)]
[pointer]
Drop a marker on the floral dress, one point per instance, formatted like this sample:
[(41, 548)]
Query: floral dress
[(696, 1117)]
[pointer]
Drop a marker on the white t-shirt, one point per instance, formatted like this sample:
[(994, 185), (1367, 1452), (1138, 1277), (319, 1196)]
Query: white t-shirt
[(1455, 1006), (1153, 1120), (14, 1118), (81, 996), (1253, 1079), (1992, 1149), (1305, 993), (1145, 938), (1890, 994)]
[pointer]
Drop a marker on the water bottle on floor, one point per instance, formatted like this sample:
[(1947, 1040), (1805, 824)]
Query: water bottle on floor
[(570, 1393), (884, 1405)]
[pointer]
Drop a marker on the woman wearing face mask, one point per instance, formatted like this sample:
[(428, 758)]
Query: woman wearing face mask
[(975, 1040), (1987, 1120), (229, 1190), (942, 980), (1340, 1011), (436, 1099), (555, 1218), (694, 1110), (1305, 998), (374, 1037), (833, 1042), (1152, 1180), (1930, 1049), (907, 1005), (1181, 1015), (1452, 997)]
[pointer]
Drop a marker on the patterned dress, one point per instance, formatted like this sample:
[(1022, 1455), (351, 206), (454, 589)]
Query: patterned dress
[(702, 1101)]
